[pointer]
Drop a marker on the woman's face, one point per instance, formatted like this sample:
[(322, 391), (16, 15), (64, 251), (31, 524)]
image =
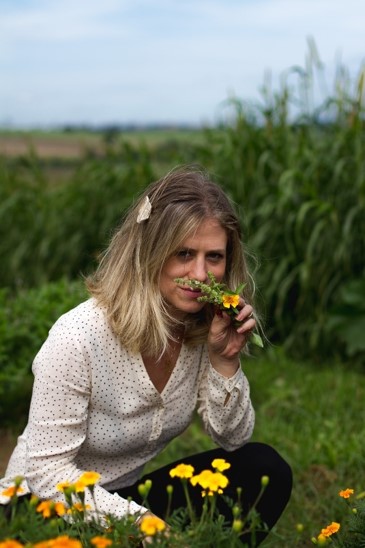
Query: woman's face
[(205, 251)]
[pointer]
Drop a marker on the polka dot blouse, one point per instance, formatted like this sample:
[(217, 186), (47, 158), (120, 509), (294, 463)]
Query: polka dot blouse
[(94, 407)]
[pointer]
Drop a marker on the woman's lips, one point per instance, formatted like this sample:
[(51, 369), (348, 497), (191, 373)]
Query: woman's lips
[(192, 293)]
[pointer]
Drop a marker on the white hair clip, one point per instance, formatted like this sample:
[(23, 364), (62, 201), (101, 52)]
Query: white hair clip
[(144, 211)]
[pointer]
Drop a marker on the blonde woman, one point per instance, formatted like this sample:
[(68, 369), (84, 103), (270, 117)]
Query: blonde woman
[(122, 374)]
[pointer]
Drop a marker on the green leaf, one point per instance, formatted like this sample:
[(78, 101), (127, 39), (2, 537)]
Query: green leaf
[(256, 340)]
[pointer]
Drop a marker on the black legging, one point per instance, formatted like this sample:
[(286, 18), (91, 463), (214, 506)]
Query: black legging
[(248, 465)]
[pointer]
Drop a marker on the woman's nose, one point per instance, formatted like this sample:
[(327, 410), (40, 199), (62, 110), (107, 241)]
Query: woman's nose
[(198, 271)]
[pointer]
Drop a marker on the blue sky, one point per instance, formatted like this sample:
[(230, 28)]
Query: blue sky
[(160, 61)]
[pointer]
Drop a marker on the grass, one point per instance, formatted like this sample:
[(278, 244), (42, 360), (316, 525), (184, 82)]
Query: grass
[(313, 415)]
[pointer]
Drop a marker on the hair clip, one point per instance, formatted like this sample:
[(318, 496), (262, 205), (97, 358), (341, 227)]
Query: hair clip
[(144, 211)]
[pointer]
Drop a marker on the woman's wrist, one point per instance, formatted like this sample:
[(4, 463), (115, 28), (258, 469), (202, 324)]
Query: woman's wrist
[(225, 367)]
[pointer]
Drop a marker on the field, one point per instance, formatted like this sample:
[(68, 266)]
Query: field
[(300, 189)]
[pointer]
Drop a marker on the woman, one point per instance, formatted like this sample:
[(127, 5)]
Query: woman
[(122, 374)]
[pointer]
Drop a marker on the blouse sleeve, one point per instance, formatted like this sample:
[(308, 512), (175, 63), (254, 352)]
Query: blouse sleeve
[(225, 407), (58, 422)]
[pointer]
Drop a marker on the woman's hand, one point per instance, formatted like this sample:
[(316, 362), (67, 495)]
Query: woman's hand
[(225, 340)]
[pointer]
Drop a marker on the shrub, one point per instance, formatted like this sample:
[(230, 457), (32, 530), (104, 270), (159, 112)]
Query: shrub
[(25, 320)]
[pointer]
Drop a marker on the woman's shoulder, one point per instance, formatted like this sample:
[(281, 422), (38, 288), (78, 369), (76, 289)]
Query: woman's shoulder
[(87, 317)]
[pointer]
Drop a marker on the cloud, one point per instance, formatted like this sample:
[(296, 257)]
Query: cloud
[(156, 60)]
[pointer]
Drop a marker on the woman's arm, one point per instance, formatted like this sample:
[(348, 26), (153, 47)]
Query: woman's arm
[(58, 420)]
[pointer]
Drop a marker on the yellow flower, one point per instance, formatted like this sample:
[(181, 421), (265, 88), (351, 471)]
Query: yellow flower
[(78, 507), (330, 529), (221, 465), (202, 479), (89, 478), (150, 525), (79, 486), (10, 543), (230, 300), (211, 481), (101, 542), (346, 493), (183, 471), (12, 491), (63, 486)]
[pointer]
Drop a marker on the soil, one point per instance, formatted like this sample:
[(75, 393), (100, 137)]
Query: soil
[(7, 444)]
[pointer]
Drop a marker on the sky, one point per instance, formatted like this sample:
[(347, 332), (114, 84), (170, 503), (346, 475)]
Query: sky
[(100, 62)]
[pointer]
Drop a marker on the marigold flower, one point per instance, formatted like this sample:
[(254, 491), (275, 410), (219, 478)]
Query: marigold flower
[(183, 471), (48, 508), (101, 542), (45, 508), (78, 507), (202, 479), (89, 478), (63, 486), (229, 300), (63, 542), (346, 493), (10, 543), (150, 525), (211, 481), (59, 508), (330, 529), (12, 491), (79, 486), (221, 465)]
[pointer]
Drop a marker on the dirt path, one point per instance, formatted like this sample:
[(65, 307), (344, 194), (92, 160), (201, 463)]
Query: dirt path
[(7, 444)]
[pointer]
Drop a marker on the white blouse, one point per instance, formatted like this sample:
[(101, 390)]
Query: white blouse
[(94, 407)]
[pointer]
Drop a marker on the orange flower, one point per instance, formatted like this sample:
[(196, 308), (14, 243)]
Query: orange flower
[(60, 542), (183, 471), (12, 491), (101, 542), (59, 508), (10, 543), (229, 300), (346, 493), (45, 508), (150, 525), (330, 529)]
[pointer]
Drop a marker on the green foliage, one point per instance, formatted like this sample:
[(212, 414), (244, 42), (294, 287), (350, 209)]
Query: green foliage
[(29, 521), (25, 320), (296, 171)]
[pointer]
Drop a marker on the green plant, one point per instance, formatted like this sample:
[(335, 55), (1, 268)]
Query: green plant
[(48, 524), (25, 319)]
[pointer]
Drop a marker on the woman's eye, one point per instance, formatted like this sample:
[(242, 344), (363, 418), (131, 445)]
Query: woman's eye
[(216, 257), (184, 254)]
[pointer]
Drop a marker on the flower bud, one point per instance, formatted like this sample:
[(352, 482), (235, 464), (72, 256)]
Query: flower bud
[(237, 525), (265, 481)]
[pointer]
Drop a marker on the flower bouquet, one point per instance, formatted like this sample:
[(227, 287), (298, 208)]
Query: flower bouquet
[(221, 297)]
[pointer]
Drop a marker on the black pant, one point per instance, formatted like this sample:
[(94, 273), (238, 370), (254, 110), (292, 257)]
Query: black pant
[(248, 465)]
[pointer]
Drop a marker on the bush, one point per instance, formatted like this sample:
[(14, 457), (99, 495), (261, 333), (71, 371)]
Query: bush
[(25, 320)]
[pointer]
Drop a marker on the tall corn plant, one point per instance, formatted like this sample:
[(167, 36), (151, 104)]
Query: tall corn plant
[(300, 185)]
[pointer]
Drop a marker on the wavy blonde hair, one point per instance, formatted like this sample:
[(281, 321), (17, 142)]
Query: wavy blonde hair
[(126, 282)]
